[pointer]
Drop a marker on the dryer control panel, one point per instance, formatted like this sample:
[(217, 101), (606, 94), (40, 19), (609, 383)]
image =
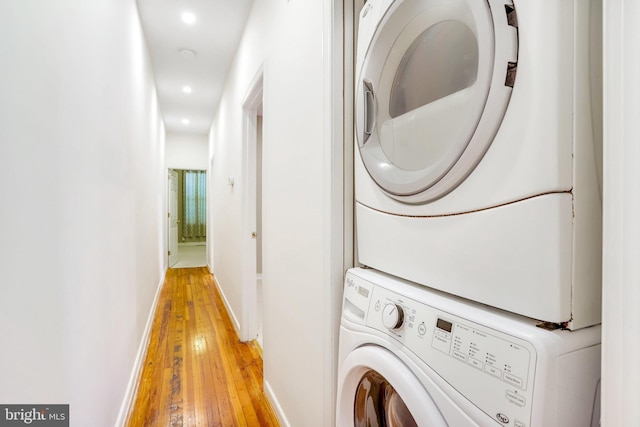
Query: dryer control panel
[(492, 369)]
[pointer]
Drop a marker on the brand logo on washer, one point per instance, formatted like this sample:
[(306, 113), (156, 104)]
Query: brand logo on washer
[(502, 418)]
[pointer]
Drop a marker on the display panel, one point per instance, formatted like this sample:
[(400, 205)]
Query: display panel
[(444, 325)]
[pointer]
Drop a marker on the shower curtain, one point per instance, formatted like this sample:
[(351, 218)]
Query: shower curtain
[(194, 205)]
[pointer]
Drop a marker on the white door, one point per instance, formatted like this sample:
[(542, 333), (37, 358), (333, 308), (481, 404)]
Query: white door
[(173, 217), (431, 90)]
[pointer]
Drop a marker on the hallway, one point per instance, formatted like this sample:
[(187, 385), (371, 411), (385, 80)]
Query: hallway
[(197, 372)]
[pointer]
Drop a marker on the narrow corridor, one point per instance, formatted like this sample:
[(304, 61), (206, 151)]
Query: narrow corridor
[(197, 372)]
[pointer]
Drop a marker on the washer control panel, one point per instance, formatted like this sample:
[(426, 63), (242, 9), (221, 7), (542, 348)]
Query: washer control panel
[(491, 369), (493, 355)]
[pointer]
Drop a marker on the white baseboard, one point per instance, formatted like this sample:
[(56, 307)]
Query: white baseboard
[(132, 386), (276, 405), (232, 315)]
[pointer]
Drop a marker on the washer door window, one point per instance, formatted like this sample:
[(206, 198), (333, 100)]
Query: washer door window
[(377, 403), (375, 388), (431, 94)]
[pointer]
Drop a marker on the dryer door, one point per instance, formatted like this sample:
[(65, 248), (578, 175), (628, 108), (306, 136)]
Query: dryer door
[(431, 92), (376, 389)]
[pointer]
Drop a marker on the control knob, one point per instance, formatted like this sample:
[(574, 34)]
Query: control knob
[(392, 316)]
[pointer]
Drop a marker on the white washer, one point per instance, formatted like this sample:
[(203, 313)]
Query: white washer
[(479, 150), (410, 356)]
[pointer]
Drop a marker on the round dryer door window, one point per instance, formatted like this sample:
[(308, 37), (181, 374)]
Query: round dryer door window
[(431, 93)]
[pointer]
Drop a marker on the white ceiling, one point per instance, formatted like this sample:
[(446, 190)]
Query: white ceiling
[(213, 37)]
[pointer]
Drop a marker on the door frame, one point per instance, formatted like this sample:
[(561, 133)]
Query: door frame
[(251, 104), (168, 218), (209, 198)]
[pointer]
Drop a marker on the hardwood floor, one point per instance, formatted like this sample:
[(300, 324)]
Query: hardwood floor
[(197, 372)]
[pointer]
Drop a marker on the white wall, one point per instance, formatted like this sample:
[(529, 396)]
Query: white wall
[(302, 166), (293, 221), (186, 151), (621, 266), (226, 207), (81, 227)]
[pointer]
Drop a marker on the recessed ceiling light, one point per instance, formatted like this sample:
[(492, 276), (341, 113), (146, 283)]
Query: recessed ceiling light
[(187, 53), (188, 18), (185, 121), (187, 89)]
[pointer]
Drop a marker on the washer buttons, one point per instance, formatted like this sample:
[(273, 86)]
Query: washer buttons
[(422, 329)]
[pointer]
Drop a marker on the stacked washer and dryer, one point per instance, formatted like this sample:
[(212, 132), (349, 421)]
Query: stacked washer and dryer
[(478, 216)]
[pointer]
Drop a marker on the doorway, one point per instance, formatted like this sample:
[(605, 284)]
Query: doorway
[(187, 218), (252, 325), (258, 196)]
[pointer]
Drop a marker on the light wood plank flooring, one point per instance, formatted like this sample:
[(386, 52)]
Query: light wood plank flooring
[(197, 372)]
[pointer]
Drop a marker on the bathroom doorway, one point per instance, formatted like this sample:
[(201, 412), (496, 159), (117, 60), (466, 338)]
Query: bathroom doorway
[(187, 217)]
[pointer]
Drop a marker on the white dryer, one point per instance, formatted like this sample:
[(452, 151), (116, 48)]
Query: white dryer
[(479, 150), (411, 356)]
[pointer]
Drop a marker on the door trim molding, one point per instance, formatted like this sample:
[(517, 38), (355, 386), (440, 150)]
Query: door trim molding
[(251, 104)]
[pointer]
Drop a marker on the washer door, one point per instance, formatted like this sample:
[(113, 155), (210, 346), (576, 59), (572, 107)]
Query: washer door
[(431, 93), (376, 389)]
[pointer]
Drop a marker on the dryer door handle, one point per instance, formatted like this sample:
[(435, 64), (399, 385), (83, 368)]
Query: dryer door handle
[(369, 110)]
